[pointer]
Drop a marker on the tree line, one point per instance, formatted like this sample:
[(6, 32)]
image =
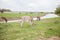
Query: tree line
[(5, 10)]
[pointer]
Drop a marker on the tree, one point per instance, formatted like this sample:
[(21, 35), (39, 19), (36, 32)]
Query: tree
[(5, 10), (1, 11), (57, 11)]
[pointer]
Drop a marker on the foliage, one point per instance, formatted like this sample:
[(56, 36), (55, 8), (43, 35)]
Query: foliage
[(57, 11)]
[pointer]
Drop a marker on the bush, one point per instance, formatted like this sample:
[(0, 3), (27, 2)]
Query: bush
[(57, 11)]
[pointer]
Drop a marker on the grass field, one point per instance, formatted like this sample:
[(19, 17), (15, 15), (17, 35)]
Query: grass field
[(43, 28), (18, 15)]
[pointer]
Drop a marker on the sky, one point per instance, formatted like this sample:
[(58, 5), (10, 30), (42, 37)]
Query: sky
[(30, 5)]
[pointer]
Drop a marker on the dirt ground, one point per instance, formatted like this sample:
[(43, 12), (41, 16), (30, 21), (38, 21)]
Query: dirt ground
[(50, 38)]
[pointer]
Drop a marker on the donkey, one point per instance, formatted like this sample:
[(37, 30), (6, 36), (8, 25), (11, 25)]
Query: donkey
[(5, 19), (38, 18), (27, 19)]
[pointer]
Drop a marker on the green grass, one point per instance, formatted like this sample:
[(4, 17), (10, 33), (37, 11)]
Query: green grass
[(18, 15), (43, 28)]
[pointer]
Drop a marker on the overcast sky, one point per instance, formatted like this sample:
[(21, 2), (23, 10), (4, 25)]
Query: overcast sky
[(30, 5)]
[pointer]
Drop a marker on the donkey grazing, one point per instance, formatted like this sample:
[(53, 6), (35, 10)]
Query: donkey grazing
[(5, 19), (38, 18), (27, 19)]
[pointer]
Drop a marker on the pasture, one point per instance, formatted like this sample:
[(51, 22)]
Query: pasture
[(42, 29), (17, 15)]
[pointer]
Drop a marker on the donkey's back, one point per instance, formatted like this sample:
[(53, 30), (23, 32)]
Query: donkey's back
[(26, 18)]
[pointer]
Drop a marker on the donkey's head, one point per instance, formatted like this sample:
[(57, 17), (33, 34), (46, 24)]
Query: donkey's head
[(4, 18)]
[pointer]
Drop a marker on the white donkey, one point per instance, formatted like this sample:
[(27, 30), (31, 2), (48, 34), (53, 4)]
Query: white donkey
[(27, 19)]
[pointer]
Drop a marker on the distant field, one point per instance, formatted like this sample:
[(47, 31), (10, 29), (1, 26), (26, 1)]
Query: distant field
[(43, 28), (17, 15)]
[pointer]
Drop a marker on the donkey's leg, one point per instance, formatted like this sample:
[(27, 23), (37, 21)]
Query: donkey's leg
[(22, 23), (32, 23)]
